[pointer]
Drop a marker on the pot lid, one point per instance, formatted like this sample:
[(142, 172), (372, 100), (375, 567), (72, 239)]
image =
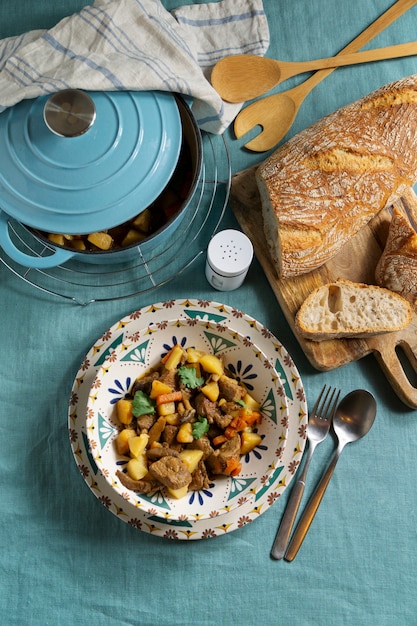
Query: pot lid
[(78, 162)]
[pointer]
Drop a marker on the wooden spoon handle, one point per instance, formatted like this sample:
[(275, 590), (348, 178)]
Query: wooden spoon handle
[(354, 58), (382, 22)]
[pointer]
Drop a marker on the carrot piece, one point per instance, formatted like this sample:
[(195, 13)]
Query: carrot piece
[(217, 441), (252, 418), (230, 432), (233, 466), (240, 422), (166, 356), (164, 398)]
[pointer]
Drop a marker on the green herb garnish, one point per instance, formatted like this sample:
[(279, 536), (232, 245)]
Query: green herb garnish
[(142, 404), (189, 378), (200, 428)]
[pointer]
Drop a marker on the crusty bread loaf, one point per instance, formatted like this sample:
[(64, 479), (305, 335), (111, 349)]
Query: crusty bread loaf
[(397, 267), (322, 186), (348, 309)]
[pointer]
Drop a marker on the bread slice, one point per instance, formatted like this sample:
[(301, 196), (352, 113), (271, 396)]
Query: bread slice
[(347, 309), (397, 267), (327, 182)]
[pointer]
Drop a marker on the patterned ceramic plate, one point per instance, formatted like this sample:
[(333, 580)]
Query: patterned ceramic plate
[(240, 356), (121, 336)]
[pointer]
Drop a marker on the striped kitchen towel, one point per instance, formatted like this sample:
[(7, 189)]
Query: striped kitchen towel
[(136, 45)]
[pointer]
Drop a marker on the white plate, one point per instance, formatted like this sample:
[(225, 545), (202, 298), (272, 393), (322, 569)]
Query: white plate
[(122, 335), (115, 378)]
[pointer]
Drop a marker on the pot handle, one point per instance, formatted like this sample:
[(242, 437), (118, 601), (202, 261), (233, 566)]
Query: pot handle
[(36, 262)]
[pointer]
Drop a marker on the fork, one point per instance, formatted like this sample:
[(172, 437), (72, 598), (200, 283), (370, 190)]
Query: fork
[(319, 421)]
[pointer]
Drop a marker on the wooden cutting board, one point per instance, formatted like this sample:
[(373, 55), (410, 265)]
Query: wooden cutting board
[(356, 261)]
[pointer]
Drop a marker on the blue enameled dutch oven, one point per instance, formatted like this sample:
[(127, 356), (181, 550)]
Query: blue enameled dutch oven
[(79, 163)]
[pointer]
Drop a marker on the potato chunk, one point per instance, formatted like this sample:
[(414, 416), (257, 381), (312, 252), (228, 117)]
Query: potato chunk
[(159, 388), (101, 240), (211, 391), (212, 364), (143, 221), (122, 441), (191, 458), (137, 468), (174, 358), (57, 238), (251, 403), (132, 236), (249, 441), (185, 433), (138, 444), (178, 493), (124, 411)]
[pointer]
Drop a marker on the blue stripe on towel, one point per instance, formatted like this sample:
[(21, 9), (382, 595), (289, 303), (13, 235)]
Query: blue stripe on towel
[(207, 59), (123, 44), (115, 40), (220, 20), (173, 35), (31, 75), (83, 59)]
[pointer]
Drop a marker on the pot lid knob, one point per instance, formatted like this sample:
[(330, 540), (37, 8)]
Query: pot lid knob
[(69, 113)]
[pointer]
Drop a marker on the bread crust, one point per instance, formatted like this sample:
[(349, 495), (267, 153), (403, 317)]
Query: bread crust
[(326, 183), (397, 266)]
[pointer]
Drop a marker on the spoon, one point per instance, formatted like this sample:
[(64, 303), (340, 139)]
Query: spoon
[(244, 76), (276, 113), (353, 419)]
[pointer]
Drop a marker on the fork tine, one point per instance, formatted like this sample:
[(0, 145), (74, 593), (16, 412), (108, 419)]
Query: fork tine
[(323, 407), (319, 397), (327, 402), (335, 404)]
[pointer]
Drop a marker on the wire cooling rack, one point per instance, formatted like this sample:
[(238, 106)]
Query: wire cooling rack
[(84, 283)]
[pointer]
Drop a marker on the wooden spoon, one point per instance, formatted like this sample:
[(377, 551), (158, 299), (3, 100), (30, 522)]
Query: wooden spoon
[(276, 113), (245, 76)]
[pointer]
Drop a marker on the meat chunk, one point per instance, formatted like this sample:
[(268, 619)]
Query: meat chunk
[(218, 461), (202, 444), (171, 472), (230, 406), (230, 389), (145, 422), (144, 384), (169, 377), (140, 486), (222, 420), (206, 408), (188, 416), (200, 478), (154, 454), (169, 434)]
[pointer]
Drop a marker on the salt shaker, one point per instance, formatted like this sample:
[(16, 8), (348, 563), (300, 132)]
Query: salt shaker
[(229, 255)]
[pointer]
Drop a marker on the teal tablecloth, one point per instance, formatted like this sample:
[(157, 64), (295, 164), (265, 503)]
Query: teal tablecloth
[(64, 559)]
